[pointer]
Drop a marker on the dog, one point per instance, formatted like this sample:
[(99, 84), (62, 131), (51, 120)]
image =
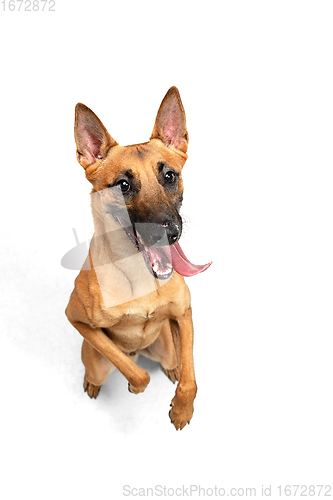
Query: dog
[(130, 296)]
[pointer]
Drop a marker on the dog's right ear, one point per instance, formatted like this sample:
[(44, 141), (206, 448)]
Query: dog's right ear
[(92, 139)]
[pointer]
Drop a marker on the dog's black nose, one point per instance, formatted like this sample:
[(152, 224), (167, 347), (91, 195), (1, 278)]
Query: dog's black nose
[(172, 232), (158, 234)]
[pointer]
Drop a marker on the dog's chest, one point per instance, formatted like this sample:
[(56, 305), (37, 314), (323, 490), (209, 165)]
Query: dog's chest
[(136, 331)]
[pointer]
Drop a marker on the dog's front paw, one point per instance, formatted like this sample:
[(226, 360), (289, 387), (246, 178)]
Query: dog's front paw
[(134, 390), (139, 384), (182, 404), (180, 414)]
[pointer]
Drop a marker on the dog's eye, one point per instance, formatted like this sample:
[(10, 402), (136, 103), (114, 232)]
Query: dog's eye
[(169, 177), (124, 185)]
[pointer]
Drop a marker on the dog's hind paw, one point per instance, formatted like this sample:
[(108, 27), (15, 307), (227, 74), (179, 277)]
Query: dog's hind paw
[(173, 375), (91, 389)]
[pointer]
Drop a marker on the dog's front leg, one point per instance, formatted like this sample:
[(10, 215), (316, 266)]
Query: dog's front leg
[(138, 379), (182, 404)]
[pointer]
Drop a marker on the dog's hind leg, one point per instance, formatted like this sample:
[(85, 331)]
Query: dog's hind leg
[(97, 367), (164, 350)]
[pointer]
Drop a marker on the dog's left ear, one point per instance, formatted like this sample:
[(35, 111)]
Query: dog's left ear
[(170, 124)]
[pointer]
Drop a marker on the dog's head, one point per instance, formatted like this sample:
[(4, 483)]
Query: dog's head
[(141, 185)]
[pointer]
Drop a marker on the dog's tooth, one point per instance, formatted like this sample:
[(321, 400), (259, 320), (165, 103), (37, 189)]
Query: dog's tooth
[(146, 248)]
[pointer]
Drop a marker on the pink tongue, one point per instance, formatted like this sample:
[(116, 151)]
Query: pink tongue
[(182, 265)]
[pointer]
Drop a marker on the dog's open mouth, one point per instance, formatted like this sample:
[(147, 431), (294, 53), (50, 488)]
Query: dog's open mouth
[(161, 260)]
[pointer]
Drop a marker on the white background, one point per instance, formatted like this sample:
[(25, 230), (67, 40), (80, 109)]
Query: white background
[(256, 82)]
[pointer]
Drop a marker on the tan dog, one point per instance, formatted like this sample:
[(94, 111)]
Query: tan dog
[(130, 296)]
